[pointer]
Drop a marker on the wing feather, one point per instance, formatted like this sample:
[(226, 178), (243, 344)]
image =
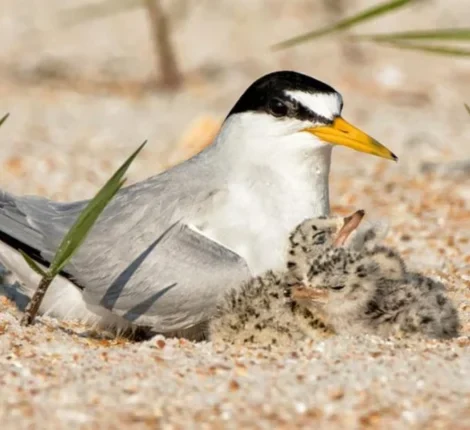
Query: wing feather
[(140, 260)]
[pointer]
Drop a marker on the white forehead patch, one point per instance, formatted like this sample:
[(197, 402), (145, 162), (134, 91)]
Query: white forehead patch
[(324, 104)]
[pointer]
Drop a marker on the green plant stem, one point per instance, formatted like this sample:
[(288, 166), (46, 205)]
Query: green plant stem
[(35, 302), (444, 34), (363, 16), (432, 49), (4, 118), (75, 237)]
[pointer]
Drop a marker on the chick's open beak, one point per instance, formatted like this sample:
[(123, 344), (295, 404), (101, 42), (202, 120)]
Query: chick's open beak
[(351, 223), (340, 132), (318, 295)]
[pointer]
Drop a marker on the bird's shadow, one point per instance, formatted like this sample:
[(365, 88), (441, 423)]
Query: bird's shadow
[(114, 291), (13, 293)]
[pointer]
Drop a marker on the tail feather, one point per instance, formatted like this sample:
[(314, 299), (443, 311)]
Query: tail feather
[(36, 226), (63, 299), (14, 225), (21, 220)]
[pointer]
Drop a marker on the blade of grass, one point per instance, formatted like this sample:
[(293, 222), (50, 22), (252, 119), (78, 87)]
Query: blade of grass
[(468, 108), (32, 264), (445, 34), (76, 235), (80, 229), (373, 12), (432, 49), (4, 118), (35, 302)]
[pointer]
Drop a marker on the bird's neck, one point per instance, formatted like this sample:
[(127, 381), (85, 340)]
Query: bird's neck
[(321, 192), (268, 185), (290, 171)]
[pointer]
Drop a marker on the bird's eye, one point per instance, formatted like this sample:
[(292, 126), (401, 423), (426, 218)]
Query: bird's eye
[(337, 287), (278, 107), (319, 238)]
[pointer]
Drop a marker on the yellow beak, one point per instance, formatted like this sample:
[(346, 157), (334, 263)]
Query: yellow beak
[(343, 133)]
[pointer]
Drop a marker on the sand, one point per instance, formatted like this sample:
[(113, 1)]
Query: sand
[(70, 129)]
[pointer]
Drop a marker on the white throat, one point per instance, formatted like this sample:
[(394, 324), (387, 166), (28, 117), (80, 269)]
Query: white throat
[(273, 182)]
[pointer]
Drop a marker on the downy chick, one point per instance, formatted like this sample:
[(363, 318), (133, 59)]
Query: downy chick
[(262, 313), (311, 239), (371, 291), (267, 311)]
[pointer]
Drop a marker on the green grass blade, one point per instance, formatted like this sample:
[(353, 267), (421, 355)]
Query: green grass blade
[(77, 234), (33, 264), (4, 119), (373, 12), (445, 34), (104, 9), (468, 108), (431, 49)]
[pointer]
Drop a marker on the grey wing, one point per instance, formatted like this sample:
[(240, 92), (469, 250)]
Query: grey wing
[(173, 284), (147, 206), (137, 261), (35, 224)]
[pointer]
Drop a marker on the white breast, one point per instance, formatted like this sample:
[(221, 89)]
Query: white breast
[(262, 205)]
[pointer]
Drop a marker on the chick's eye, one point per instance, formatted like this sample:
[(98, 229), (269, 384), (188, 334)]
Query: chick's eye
[(319, 238), (337, 287), (278, 107)]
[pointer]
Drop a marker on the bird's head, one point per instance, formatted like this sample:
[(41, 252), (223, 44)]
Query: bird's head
[(344, 285), (289, 108), (314, 235), (351, 283), (310, 244)]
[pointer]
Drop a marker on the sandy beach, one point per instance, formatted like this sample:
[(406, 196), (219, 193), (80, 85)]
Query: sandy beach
[(80, 103)]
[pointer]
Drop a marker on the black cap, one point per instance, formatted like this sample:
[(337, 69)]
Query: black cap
[(268, 95)]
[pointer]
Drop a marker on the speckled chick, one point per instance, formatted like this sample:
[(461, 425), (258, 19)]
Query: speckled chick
[(262, 312), (371, 291), (269, 310), (312, 238)]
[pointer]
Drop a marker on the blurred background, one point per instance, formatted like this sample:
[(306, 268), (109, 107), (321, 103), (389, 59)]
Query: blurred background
[(86, 82)]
